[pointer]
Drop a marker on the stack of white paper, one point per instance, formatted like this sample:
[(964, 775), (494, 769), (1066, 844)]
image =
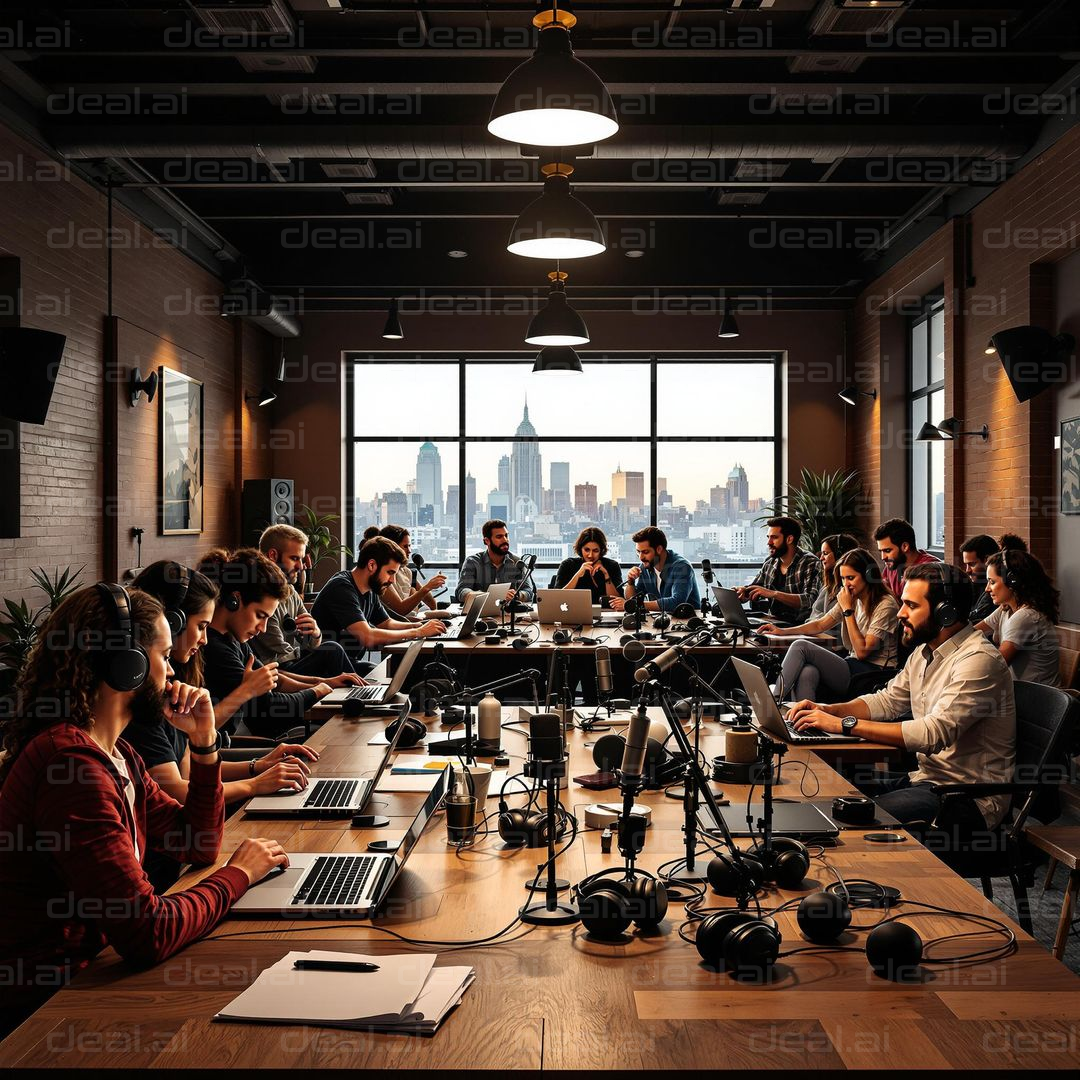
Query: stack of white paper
[(407, 994)]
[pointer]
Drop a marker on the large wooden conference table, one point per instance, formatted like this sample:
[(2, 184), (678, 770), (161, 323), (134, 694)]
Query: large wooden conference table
[(553, 998)]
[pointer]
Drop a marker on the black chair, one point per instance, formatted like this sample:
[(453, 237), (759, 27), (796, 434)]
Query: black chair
[(1046, 718)]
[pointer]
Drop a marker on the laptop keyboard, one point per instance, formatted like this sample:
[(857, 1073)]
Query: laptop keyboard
[(338, 880), (801, 736), (365, 693), (331, 793)]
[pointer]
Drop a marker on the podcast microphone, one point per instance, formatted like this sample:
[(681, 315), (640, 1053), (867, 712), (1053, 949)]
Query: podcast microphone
[(604, 685), (634, 651), (707, 571), (655, 668), (633, 760), (418, 565)]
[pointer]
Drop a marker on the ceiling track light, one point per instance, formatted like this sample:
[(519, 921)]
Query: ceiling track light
[(392, 330), (557, 323), (556, 226), (553, 99)]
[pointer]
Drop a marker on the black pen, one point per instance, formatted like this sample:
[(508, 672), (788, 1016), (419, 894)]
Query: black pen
[(333, 965)]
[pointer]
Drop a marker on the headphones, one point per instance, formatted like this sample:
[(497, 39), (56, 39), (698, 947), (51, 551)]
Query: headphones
[(660, 767), (522, 827), (562, 636), (789, 864), (232, 602), (945, 611), (128, 667), (174, 605), (787, 868), (1011, 580), (609, 904), (414, 731), (524, 642), (739, 942)]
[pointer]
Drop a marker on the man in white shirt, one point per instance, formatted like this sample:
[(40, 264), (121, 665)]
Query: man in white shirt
[(959, 692)]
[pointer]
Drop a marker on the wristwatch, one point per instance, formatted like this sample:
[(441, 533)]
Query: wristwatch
[(212, 748), (847, 614), (848, 724)]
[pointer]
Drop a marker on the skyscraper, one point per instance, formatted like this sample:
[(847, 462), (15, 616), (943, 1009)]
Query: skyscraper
[(429, 487), (738, 490), (470, 498), (629, 487), (585, 501), (560, 485), (452, 504), (526, 482)]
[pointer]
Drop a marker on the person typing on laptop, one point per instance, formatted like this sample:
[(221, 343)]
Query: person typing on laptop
[(959, 693), (789, 579)]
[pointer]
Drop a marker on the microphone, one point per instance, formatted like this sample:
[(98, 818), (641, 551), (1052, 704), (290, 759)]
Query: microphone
[(604, 685), (634, 651), (707, 571), (288, 624), (655, 668), (418, 565), (633, 761)]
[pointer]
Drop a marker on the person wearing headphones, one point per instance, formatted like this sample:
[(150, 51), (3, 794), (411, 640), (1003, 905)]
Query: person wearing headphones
[(403, 596), (866, 613), (832, 547), (1022, 625), (958, 691), (101, 663)]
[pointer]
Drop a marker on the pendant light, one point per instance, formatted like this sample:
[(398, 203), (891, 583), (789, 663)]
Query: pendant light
[(729, 328), (557, 360), (557, 323), (556, 226), (553, 99), (392, 329)]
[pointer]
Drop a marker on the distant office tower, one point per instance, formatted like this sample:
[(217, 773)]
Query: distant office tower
[(470, 498), (504, 473), (661, 487), (560, 485), (628, 486), (499, 505), (526, 484), (429, 487), (738, 490), (394, 508), (452, 500), (585, 501)]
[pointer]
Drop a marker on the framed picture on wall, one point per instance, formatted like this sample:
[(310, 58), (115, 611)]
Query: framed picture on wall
[(1070, 466), (181, 454)]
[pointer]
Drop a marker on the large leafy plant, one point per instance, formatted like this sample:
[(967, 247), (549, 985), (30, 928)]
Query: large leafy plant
[(19, 623), (322, 544), (823, 503)]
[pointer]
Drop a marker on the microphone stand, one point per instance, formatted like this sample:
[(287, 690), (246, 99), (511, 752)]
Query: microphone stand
[(706, 604), (469, 747)]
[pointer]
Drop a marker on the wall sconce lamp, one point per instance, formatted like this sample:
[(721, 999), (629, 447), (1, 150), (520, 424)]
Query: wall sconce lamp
[(851, 394), (948, 430), (138, 385)]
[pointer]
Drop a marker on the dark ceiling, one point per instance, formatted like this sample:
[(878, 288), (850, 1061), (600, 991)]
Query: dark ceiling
[(785, 149)]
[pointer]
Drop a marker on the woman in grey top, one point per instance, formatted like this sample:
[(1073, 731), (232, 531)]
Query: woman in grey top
[(867, 614), (832, 547), (1022, 624)]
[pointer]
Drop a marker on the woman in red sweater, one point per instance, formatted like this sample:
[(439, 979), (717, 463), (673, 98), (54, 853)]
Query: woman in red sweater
[(78, 811)]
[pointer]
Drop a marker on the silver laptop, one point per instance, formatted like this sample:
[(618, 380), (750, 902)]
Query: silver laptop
[(463, 628), (378, 692), (767, 712), (331, 796), (493, 598), (318, 883), (571, 606)]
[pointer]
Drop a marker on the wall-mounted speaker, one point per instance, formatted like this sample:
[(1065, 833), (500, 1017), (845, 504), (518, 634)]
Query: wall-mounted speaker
[(265, 502), (30, 360)]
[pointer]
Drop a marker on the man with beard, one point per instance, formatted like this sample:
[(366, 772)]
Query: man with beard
[(789, 579), (898, 550), (492, 566), (958, 691), (663, 579), (81, 814), (349, 610), (292, 638), (250, 589)]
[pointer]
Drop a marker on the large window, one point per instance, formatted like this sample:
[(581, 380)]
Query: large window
[(926, 396), (442, 444)]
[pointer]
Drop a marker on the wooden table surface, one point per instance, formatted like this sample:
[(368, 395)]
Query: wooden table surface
[(554, 998)]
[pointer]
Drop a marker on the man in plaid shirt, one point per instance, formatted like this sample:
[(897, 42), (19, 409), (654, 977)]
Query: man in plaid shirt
[(789, 579)]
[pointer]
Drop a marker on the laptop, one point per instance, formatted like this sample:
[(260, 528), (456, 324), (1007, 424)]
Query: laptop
[(571, 606), (324, 884), (331, 796), (767, 712), (494, 596), (463, 629), (734, 614), (800, 821), (377, 693)]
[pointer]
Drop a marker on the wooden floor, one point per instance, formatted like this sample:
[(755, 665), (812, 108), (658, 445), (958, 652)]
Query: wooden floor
[(554, 998)]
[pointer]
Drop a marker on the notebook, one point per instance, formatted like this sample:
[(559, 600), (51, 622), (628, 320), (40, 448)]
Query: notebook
[(379, 692), (328, 797), (331, 885)]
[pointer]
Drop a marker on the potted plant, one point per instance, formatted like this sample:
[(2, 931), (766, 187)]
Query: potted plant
[(322, 545), (19, 623), (823, 503)]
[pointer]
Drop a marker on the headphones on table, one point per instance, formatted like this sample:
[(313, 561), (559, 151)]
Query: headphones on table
[(522, 827), (739, 942), (414, 731), (787, 868), (609, 902), (128, 667), (177, 582)]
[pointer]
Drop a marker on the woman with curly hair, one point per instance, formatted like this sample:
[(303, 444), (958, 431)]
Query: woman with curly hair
[(1022, 625), (80, 811)]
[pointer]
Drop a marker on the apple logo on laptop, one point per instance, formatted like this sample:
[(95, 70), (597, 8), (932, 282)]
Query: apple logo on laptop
[(564, 606)]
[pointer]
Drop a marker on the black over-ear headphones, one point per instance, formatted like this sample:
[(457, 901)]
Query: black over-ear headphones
[(945, 612), (177, 582), (609, 904), (522, 827), (232, 601), (1011, 580), (789, 864), (739, 942), (127, 667), (414, 731)]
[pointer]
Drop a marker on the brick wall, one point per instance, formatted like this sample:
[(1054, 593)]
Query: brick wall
[(164, 304), (1017, 236)]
